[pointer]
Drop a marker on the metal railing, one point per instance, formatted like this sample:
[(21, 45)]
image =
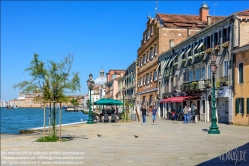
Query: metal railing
[(224, 81)]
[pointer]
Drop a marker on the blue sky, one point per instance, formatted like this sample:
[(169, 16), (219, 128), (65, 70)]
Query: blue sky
[(98, 34)]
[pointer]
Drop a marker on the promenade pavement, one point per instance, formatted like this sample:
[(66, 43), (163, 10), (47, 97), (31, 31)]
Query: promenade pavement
[(168, 143)]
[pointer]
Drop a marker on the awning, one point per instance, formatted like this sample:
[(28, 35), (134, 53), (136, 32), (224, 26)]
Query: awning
[(177, 99), (188, 50), (182, 53), (200, 45), (195, 47)]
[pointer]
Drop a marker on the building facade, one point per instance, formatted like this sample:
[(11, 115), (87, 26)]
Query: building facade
[(160, 35), (241, 86), (111, 86), (185, 69)]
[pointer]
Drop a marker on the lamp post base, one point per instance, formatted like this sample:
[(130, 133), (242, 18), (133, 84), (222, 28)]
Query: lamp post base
[(214, 129)]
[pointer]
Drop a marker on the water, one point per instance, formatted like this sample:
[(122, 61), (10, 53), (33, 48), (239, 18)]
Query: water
[(14, 120)]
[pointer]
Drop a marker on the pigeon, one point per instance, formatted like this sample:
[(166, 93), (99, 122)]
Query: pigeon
[(98, 135), (135, 136)]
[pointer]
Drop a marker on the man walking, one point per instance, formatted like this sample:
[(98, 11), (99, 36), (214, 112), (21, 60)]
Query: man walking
[(154, 110), (143, 110), (185, 111)]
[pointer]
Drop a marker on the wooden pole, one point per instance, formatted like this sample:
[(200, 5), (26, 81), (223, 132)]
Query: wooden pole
[(60, 123), (44, 120)]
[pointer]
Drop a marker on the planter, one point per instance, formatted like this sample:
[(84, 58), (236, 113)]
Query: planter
[(208, 51), (197, 55), (202, 53), (190, 58), (216, 48), (175, 64), (184, 60), (225, 45)]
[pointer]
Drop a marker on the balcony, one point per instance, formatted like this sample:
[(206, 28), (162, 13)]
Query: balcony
[(167, 94), (175, 87), (208, 83), (224, 81)]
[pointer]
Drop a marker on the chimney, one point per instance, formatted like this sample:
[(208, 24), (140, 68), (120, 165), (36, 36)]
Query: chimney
[(209, 20), (171, 43), (204, 12), (188, 32)]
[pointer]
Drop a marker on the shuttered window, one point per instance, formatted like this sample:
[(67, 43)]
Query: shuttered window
[(239, 105), (247, 106), (240, 73)]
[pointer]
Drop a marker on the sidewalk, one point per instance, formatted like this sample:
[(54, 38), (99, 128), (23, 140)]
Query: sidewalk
[(168, 143)]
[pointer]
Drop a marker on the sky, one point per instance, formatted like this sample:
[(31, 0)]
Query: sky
[(99, 34)]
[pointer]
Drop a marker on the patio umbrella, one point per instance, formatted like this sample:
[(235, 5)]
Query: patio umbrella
[(104, 101), (117, 102)]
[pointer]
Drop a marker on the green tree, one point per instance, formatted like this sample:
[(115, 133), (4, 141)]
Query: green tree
[(74, 102), (50, 82)]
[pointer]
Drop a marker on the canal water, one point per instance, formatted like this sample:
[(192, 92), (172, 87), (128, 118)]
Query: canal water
[(14, 120)]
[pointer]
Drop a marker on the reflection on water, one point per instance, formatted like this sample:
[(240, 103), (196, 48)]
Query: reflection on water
[(14, 120)]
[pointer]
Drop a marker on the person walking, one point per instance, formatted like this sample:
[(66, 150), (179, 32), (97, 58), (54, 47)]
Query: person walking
[(185, 112), (143, 110), (154, 110), (189, 114)]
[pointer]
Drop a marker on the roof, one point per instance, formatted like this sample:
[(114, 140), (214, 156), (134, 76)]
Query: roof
[(241, 49), (179, 20), (243, 13)]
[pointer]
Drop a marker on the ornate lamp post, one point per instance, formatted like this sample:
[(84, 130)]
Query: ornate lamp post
[(214, 129), (90, 84), (123, 93)]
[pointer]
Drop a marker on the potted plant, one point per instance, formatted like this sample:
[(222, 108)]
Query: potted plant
[(216, 48), (197, 55), (209, 50), (175, 64), (184, 60), (190, 58), (202, 53), (225, 45)]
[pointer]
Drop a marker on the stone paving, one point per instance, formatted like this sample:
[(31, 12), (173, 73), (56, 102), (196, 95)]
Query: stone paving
[(168, 143)]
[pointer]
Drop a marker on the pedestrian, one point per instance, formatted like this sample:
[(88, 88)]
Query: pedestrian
[(154, 110), (185, 111), (189, 114), (143, 110)]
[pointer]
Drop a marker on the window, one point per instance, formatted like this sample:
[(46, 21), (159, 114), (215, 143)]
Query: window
[(176, 57), (155, 75), (203, 73), (144, 58), (151, 77), (203, 106), (141, 82), (150, 103), (216, 39), (144, 80), (209, 72), (225, 72), (138, 82), (147, 78), (151, 30), (240, 73), (195, 48), (209, 42), (144, 38), (197, 74), (155, 50), (190, 76), (239, 105), (147, 54), (141, 62), (114, 76), (226, 32), (148, 34), (151, 53)]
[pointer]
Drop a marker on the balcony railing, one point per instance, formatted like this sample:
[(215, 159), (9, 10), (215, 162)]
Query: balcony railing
[(208, 83), (224, 81), (175, 87), (167, 94)]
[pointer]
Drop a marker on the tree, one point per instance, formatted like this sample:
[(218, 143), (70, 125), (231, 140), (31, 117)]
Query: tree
[(50, 82), (74, 102)]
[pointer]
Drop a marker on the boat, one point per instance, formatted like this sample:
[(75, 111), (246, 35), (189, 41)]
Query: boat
[(71, 109), (15, 107)]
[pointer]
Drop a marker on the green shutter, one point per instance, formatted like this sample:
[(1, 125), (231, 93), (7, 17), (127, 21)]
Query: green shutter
[(247, 106), (242, 101), (237, 106)]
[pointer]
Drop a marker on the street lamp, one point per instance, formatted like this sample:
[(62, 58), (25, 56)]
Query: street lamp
[(123, 92), (214, 129), (90, 84)]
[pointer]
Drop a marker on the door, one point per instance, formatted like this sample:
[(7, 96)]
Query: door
[(161, 109), (198, 109)]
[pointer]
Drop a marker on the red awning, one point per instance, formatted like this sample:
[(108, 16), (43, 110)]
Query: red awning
[(177, 99)]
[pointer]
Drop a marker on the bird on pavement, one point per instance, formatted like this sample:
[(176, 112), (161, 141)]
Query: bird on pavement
[(135, 136), (98, 135)]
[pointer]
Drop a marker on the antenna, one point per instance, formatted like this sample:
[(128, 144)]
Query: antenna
[(214, 11), (156, 8)]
